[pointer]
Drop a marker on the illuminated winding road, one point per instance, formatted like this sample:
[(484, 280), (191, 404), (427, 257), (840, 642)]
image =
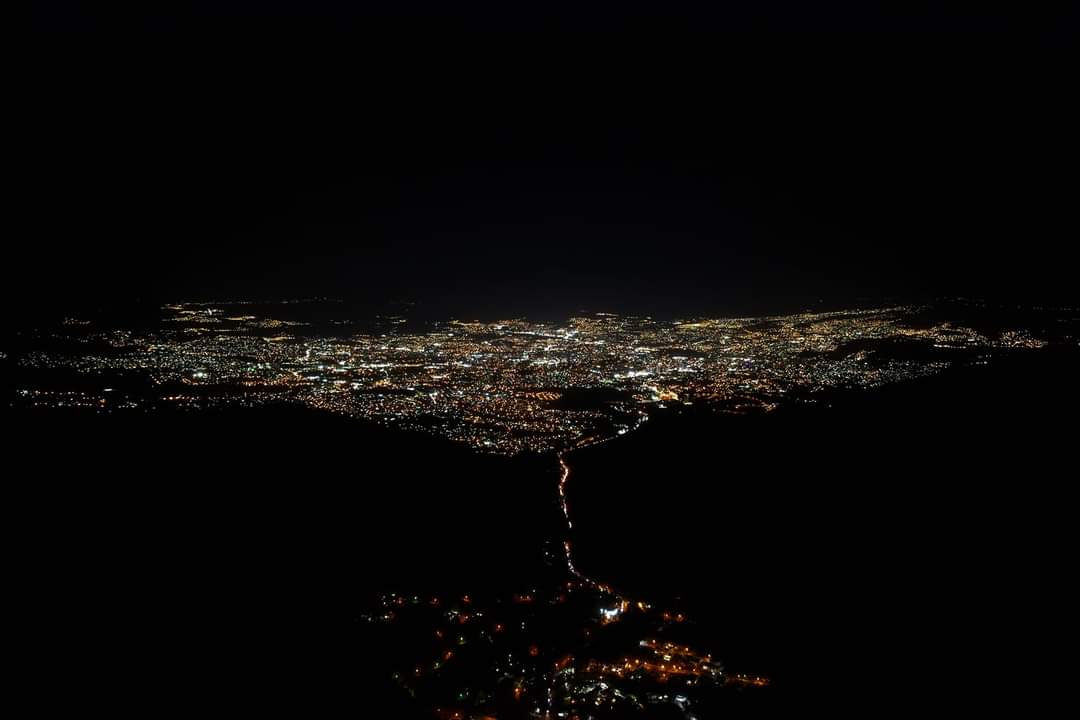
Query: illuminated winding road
[(564, 478)]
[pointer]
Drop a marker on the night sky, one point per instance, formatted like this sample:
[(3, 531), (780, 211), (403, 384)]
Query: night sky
[(498, 162)]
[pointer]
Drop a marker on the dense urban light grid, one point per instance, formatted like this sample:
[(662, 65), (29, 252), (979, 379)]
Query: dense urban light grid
[(509, 386)]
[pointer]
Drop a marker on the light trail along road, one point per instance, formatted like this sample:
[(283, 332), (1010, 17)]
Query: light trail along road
[(564, 479)]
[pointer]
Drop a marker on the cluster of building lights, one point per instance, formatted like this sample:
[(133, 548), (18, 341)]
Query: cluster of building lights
[(509, 386)]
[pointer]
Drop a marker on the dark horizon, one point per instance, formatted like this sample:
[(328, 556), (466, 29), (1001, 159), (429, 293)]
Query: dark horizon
[(710, 160)]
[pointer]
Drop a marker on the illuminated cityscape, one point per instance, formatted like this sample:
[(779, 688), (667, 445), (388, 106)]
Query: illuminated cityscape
[(503, 387), (542, 361), (569, 646)]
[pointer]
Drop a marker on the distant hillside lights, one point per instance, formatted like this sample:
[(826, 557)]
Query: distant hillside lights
[(1020, 339)]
